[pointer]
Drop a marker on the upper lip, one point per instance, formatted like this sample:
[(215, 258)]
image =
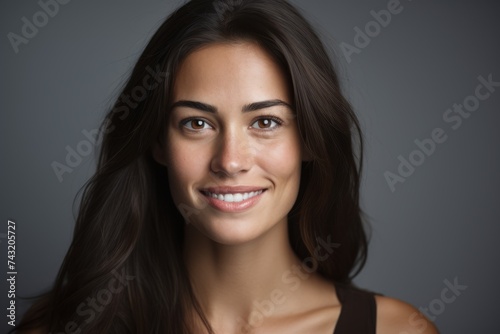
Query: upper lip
[(231, 190)]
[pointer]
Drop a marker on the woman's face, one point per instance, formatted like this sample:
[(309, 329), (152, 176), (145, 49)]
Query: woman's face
[(232, 151)]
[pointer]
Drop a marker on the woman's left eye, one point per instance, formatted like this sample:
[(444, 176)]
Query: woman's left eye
[(267, 123)]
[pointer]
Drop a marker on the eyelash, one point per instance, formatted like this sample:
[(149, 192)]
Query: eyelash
[(275, 119)]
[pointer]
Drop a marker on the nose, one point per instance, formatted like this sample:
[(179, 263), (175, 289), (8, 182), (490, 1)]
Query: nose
[(232, 154)]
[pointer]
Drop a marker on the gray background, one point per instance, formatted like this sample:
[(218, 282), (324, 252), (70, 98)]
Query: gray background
[(440, 224)]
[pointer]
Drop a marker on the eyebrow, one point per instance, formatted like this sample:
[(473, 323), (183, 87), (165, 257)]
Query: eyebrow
[(246, 108)]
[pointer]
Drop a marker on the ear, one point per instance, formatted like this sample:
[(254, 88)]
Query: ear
[(159, 155)]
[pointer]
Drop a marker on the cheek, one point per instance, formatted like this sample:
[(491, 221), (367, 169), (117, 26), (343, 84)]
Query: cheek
[(281, 159), (185, 166)]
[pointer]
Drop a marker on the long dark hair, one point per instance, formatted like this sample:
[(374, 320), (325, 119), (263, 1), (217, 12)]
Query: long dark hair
[(126, 253)]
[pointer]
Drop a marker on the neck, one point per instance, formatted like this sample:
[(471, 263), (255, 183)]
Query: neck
[(229, 280)]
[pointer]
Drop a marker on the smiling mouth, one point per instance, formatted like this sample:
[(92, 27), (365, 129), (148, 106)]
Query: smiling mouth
[(233, 197)]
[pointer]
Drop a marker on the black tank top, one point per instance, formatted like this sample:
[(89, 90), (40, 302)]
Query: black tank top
[(358, 313)]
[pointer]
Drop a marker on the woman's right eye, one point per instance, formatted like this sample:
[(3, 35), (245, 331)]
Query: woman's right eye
[(195, 124)]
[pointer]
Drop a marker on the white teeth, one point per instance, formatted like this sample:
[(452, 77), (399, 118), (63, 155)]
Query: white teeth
[(237, 197)]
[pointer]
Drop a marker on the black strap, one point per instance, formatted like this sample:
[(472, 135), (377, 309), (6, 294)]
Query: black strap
[(358, 313)]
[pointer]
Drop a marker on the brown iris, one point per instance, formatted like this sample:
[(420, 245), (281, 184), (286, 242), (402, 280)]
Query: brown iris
[(264, 123), (197, 124)]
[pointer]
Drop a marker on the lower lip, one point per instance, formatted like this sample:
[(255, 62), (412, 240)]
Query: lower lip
[(233, 206)]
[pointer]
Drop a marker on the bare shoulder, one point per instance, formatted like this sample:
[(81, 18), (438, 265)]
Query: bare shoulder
[(397, 317)]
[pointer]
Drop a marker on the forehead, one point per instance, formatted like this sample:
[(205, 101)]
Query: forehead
[(230, 71)]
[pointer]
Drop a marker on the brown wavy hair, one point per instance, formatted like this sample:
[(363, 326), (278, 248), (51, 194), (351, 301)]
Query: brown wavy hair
[(127, 242)]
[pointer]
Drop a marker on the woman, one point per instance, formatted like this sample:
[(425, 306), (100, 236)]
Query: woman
[(226, 198)]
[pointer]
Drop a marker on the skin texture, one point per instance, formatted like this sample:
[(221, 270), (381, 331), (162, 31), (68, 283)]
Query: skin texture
[(231, 147)]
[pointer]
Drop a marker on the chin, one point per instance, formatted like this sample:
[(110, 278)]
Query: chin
[(231, 232)]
